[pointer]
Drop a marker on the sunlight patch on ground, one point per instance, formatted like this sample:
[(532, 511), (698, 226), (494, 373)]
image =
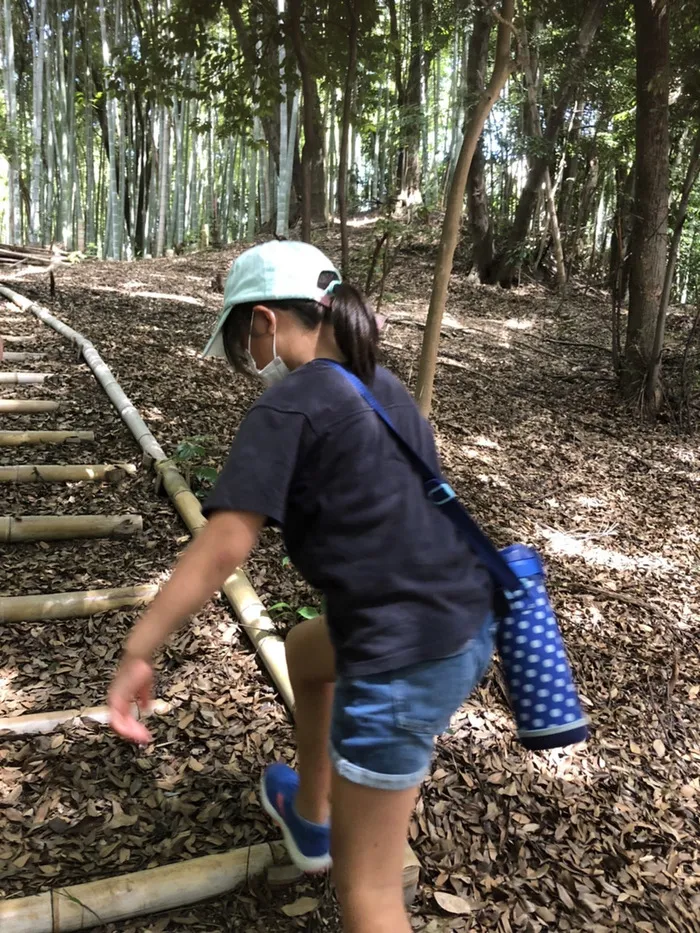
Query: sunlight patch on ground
[(516, 324), (490, 479), (559, 542), (357, 221), (590, 502)]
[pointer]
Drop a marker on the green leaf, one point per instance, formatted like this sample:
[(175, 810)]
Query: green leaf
[(279, 607), (307, 612), (286, 562), (209, 474)]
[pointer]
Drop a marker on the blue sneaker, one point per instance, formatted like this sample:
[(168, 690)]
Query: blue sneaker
[(308, 844)]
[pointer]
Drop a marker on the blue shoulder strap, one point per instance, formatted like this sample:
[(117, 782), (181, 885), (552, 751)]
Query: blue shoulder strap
[(443, 495)]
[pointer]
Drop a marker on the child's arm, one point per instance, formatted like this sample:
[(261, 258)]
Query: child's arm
[(213, 556)]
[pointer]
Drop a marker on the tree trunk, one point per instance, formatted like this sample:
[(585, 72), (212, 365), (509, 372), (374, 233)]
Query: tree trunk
[(649, 235), (313, 178), (350, 76), (453, 213), (533, 123), (477, 198), (411, 116), (163, 186), (285, 167), (114, 201), (13, 155), (38, 21), (652, 385), (592, 18)]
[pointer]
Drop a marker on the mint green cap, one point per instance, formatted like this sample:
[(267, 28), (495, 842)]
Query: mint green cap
[(274, 271)]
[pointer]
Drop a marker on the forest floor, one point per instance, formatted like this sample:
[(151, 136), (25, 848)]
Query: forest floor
[(533, 437)]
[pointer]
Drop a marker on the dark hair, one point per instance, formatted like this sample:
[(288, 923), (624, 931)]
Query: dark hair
[(353, 321)]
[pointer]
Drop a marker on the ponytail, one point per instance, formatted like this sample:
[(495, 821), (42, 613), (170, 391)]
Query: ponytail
[(342, 306), (354, 328)]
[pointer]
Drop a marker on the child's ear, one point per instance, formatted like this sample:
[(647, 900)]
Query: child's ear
[(263, 313)]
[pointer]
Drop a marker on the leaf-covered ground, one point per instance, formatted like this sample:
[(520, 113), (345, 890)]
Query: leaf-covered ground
[(531, 433)]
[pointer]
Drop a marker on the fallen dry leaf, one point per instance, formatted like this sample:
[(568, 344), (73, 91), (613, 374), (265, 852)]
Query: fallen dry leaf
[(452, 903), (303, 905)]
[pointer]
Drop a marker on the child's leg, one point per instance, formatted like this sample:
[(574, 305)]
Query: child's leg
[(368, 833), (311, 663)]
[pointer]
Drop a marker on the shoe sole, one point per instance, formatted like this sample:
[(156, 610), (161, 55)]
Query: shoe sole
[(310, 864)]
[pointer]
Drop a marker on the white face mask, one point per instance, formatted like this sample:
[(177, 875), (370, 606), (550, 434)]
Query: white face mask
[(276, 370)]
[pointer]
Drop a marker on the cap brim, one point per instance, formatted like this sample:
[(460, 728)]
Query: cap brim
[(215, 344)]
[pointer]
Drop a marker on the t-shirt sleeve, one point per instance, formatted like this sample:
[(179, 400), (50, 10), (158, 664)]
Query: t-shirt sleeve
[(260, 467)]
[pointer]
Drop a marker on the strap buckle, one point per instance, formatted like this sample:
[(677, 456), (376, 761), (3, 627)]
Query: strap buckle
[(439, 493)]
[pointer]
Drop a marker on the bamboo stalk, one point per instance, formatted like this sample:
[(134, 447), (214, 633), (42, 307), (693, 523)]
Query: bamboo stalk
[(18, 338), (23, 406), (20, 356), (52, 606), (71, 473), (42, 723), (67, 527), (23, 379), (15, 438), (95, 903)]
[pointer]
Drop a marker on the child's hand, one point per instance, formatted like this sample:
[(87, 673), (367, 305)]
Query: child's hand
[(133, 682)]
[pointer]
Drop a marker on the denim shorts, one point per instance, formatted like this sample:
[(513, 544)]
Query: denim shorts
[(384, 725)]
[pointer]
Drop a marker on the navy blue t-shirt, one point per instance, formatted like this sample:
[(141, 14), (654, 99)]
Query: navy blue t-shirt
[(400, 585)]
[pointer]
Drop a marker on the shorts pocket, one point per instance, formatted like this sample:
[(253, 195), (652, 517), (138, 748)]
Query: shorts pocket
[(426, 695)]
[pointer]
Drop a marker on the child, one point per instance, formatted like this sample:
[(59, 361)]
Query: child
[(407, 633)]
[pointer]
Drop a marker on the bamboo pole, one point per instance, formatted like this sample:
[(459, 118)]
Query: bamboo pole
[(25, 406), (23, 379), (109, 900), (71, 473), (16, 438), (67, 527), (42, 723), (18, 338), (19, 356), (47, 607)]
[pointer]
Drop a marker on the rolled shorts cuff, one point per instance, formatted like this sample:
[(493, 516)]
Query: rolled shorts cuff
[(366, 778)]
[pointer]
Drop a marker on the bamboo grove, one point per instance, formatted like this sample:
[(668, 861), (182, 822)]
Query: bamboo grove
[(131, 129)]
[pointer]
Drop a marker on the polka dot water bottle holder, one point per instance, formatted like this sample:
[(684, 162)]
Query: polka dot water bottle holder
[(540, 683)]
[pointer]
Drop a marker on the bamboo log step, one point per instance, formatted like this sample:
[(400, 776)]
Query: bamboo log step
[(25, 406), (18, 338), (41, 723), (17, 438), (50, 607), (96, 903), (23, 379), (67, 527), (19, 356), (66, 473)]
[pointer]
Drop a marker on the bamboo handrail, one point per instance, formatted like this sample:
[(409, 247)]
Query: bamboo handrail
[(27, 406), (47, 607), (67, 527), (62, 473), (16, 438)]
